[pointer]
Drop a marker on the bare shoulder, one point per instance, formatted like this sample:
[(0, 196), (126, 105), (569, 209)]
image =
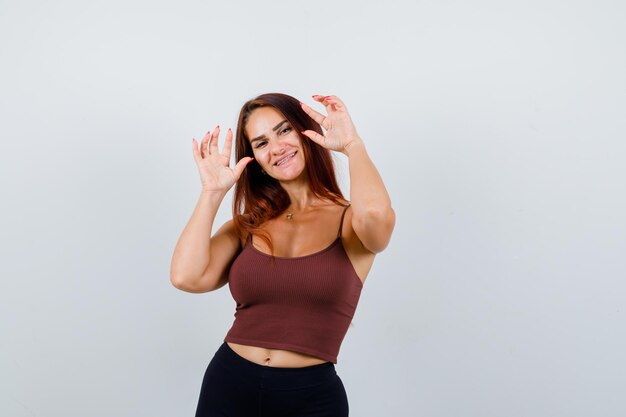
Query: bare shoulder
[(373, 229), (227, 232), (349, 236), (227, 228), (223, 249), (244, 233), (361, 258)]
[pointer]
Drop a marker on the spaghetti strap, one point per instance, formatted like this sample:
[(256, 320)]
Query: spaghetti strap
[(341, 223)]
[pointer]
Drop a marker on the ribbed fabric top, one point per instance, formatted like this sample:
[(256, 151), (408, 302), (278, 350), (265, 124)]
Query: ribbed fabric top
[(303, 304)]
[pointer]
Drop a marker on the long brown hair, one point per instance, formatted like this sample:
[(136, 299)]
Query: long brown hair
[(260, 197)]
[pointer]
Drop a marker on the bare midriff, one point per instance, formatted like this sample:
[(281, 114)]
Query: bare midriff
[(277, 358)]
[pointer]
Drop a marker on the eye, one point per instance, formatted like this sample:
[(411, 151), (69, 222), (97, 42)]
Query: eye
[(259, 145), (287, 129)]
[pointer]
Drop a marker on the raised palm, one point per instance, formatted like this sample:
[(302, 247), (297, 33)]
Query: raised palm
[(215, 173), (340, 130)]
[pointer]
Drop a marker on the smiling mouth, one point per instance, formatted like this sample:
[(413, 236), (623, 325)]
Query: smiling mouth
[(285, 159)]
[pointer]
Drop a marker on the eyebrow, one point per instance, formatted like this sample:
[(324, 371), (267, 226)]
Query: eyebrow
[(274, 129)]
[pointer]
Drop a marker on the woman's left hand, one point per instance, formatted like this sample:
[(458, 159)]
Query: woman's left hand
[(340, 131)]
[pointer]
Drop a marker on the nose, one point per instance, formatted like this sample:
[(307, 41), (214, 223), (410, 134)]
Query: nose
[(277, 146)]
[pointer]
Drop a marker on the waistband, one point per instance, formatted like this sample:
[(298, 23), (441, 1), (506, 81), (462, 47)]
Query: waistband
[(271, 377)]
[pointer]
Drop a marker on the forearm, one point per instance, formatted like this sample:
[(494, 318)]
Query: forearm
[(191, 255), (368, 195)]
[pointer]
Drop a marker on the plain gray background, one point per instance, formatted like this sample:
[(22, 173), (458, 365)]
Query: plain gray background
[(498, 128)]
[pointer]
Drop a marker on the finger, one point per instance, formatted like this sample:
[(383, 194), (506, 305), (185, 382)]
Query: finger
[(196, 152), (203, 145), (332, 103), (318, 117), (325, 101), (322, 99), (335, 101), (238, 169), (213, 142), (228, 143), (315, 137)]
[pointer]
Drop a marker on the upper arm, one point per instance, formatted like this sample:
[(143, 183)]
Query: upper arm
[(374, 228), (224, 247)]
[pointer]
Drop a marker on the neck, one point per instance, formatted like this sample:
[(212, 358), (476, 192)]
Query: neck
[(301, 197)]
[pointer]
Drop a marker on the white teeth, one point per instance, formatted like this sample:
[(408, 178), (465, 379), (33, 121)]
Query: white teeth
[(282, 161)]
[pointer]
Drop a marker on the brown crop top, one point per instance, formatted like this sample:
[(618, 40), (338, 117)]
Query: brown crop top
[(303, 304)]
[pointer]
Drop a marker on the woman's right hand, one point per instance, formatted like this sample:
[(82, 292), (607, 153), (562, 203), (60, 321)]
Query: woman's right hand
[(215, 173)]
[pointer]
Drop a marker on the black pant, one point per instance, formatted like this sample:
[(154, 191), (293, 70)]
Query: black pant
[(236, 387)]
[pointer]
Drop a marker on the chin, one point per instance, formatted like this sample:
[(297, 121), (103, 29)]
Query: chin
[(290, 175)]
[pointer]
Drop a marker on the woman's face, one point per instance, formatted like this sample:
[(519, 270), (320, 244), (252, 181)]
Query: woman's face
[(276, 145)]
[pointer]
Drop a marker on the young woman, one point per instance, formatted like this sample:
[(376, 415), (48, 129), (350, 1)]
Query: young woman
[(295, 255)]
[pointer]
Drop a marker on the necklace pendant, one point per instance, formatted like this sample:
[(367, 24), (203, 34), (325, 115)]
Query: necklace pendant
[(289, 216)]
